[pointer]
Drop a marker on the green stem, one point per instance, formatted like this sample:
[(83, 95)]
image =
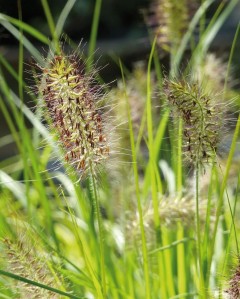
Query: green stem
[(101, 233), (136, 178), (151, 145), (179, 164), (222, 191), (230, 60), (37, 284), (94, 30), (51, 24), (200, 265)]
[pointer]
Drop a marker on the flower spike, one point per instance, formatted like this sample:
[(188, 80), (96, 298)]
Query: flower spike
[(71, 101), (202, 118)]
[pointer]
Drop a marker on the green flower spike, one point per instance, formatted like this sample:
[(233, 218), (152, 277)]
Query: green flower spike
[(202, 118)]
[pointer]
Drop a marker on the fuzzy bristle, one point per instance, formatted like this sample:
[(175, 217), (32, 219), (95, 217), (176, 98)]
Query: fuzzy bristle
[(71, 99)]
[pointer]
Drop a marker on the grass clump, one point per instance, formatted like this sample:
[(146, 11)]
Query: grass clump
[(153, 230)]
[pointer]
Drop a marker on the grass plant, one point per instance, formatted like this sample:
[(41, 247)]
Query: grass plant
[(163, 223)]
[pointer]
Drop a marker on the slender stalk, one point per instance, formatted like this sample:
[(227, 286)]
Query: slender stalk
[(87, 257), (37, 284), (94, 30), (20, 61), (135, 169), (180, 231), (51, 24), (151, 145), (100, 229), (179, 163), (222, 191), (200, 265), (232, 229), (231, 58)]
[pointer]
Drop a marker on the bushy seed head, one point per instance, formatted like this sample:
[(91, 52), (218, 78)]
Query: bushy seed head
[(170, 19), (172, 211), (22, 259), (135, 90), (72, 104), (212, 74), (202, 118)]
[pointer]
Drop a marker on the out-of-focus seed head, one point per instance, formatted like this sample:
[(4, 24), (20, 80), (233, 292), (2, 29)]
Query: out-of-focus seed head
[(172, 211), (72, 103), (170, 19), (22, 258), (212, 73), (135, 90)]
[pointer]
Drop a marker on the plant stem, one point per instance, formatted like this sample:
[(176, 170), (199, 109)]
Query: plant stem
[(222, 191), (179, 162), (51, 24), (202, 284), (136, 178), (37, 284), (94, 30), (151, 146), (100, 228)]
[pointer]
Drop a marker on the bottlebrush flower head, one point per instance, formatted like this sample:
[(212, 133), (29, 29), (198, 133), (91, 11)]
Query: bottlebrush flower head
[(22, 258), (202, 116), (172, 211), (169, 20), (72, 101)]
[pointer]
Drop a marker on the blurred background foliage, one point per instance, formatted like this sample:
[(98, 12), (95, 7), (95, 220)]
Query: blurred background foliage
[(122, 33), (118, 18)]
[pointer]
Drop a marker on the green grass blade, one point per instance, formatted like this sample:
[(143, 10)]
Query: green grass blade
[(136, 178), (179, 158), (25, 27), (181, 260), (158, 139), (63, 16), (27, 44), (20, 58), (183, 46), (17, 188), (94, 30), (212, 32), (37, 284), (213, 28), (51, 24), (231, 58), (151, 144), (222, 191), (172, 245)]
